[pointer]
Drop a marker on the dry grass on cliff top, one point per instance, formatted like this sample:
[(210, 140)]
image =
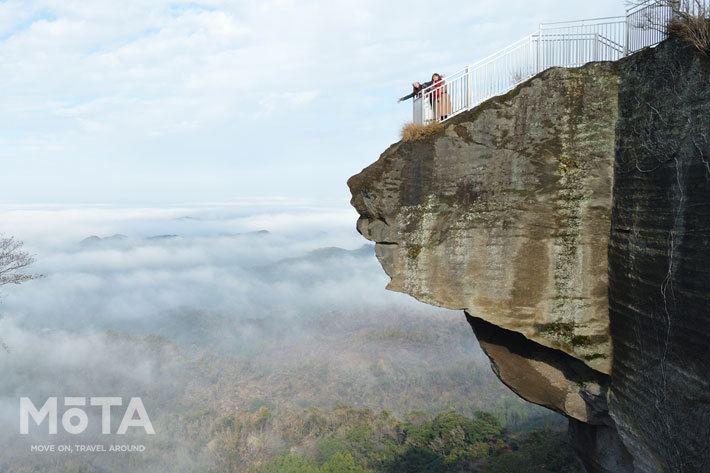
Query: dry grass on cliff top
[(692, 29), (414, 131)]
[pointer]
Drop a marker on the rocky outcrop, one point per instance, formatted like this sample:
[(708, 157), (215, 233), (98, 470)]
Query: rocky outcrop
[(505, 214), (565, 218)]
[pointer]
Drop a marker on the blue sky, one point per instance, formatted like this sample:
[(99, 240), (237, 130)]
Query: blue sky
[(166, 101)]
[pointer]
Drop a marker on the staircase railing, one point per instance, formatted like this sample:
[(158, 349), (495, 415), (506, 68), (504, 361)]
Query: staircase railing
[(565, 44), (646, 25)]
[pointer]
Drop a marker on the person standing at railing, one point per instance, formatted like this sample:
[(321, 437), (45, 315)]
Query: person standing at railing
[(423, 106), (439, 98)]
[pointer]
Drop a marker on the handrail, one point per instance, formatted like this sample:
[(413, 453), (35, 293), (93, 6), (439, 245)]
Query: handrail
[(618, 46), (560, 44), (482, 61), (642, 6), (582, 21), (498, 53)]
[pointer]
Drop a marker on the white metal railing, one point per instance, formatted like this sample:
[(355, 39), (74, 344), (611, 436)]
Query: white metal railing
[(646, 25), (572, 44), (565, 44)]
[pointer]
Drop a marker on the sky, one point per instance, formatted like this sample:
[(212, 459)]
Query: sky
[(168, 101)]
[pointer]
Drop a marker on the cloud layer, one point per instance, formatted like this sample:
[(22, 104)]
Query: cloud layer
[(141, 265), (205, 309)]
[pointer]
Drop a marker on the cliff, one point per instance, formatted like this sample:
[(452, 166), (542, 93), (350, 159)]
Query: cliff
[(568, 219)]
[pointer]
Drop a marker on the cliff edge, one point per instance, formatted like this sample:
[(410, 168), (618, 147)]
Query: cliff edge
[(566, 219)]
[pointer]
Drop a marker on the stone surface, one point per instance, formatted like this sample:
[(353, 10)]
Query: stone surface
[(600, 448), (544, 376), (505, 212), (659, 261), (594, 307)]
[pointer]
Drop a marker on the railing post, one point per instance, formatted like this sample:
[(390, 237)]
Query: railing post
[(627, 35), (469, 88), (539, 48), (676, 6), (417, 110), (414, 110)]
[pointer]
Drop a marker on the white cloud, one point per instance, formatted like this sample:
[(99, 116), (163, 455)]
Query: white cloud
[(211, 259)]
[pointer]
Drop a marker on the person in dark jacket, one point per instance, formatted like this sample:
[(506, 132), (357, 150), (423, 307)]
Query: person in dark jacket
[(416, 88)]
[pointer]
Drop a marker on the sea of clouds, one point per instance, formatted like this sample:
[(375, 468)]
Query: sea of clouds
[(126, 268)]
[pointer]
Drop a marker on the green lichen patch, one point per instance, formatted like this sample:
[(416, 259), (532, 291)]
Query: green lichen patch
[(581, 341), (595, 356), (566, 334), (566, 165), (564, 330), (413, 251)]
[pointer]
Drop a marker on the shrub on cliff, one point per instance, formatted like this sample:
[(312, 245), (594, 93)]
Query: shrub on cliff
[(415, 131), (690, 21), (692, 29)]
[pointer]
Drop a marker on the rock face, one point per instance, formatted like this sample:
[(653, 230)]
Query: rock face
[(659, 261), (566, 219), (506, 214)]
